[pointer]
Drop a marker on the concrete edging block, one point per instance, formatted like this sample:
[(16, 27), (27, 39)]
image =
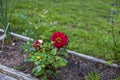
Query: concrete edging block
[(15, 74)]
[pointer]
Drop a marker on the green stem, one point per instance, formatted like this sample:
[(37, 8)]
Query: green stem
[(2, 13), (12, 10), (116, 58), (7, 28), (115, 48), (114, 42), (6, 8)]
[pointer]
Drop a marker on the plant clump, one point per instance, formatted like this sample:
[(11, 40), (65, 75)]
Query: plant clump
[(47, 54)]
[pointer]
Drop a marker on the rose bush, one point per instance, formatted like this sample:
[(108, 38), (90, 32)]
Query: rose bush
[(47, 54)]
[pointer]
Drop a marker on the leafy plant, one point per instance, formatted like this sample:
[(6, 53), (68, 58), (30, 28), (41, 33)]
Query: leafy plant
[(93, 76), (47, 54), (118, 78)]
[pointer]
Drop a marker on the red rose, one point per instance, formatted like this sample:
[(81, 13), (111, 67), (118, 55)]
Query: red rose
[(59, 39), (37, 43)]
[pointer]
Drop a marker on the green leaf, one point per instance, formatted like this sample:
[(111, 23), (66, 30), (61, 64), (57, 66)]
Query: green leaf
[(49, 72), (110, 62), (60, 62), (93, 76), (37, 70), (63, 62), (37, 62), (118, 78), (54, 51)]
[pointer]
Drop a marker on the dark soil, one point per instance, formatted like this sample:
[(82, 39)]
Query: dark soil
[(13, 56)]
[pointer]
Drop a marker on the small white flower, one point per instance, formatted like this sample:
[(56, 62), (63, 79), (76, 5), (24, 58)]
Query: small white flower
[(40, 41), (13, 44)]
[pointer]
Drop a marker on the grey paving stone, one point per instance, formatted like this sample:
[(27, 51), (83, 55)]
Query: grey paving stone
[(6, 77), (16, 75)]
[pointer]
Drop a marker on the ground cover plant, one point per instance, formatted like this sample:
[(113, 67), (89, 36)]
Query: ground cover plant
[(85, 23)]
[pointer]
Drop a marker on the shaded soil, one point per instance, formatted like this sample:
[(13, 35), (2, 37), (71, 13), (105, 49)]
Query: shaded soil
[(13, 56)]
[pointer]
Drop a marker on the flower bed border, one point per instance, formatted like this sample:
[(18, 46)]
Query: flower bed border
[(22, 76), (16, 35), (93, 59), (90, 58), (10, 71), (15, 74)]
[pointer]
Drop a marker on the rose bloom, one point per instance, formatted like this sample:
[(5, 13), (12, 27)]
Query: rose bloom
[(37, 43), (60, 39)]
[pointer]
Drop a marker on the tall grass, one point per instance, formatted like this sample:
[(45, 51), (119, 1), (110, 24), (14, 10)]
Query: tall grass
[(6, 12)]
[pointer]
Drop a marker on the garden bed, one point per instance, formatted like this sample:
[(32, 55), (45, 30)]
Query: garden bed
[(78, 68)]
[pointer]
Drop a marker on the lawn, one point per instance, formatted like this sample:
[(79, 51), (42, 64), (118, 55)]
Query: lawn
[(86, 22)]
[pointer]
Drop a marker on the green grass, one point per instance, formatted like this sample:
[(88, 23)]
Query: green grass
[(84, 21)]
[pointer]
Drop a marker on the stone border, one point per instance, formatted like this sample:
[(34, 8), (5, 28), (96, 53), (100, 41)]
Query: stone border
[(92, 58), (6, 77), (17, 35), (68, 51), (15, 74)]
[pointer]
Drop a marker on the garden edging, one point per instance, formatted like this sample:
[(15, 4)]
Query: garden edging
[(92, 58), (15, 74), (8, 73), (22, 76), (17, 35), (68, 51)]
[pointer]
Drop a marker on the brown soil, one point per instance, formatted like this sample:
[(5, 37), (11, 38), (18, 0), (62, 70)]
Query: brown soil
[(13, 56)]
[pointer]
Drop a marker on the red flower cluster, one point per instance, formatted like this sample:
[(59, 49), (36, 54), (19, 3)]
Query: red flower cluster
[(37, 43), (59, 39)]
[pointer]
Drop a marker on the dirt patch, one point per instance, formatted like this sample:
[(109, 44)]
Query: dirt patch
[(12, 55)]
